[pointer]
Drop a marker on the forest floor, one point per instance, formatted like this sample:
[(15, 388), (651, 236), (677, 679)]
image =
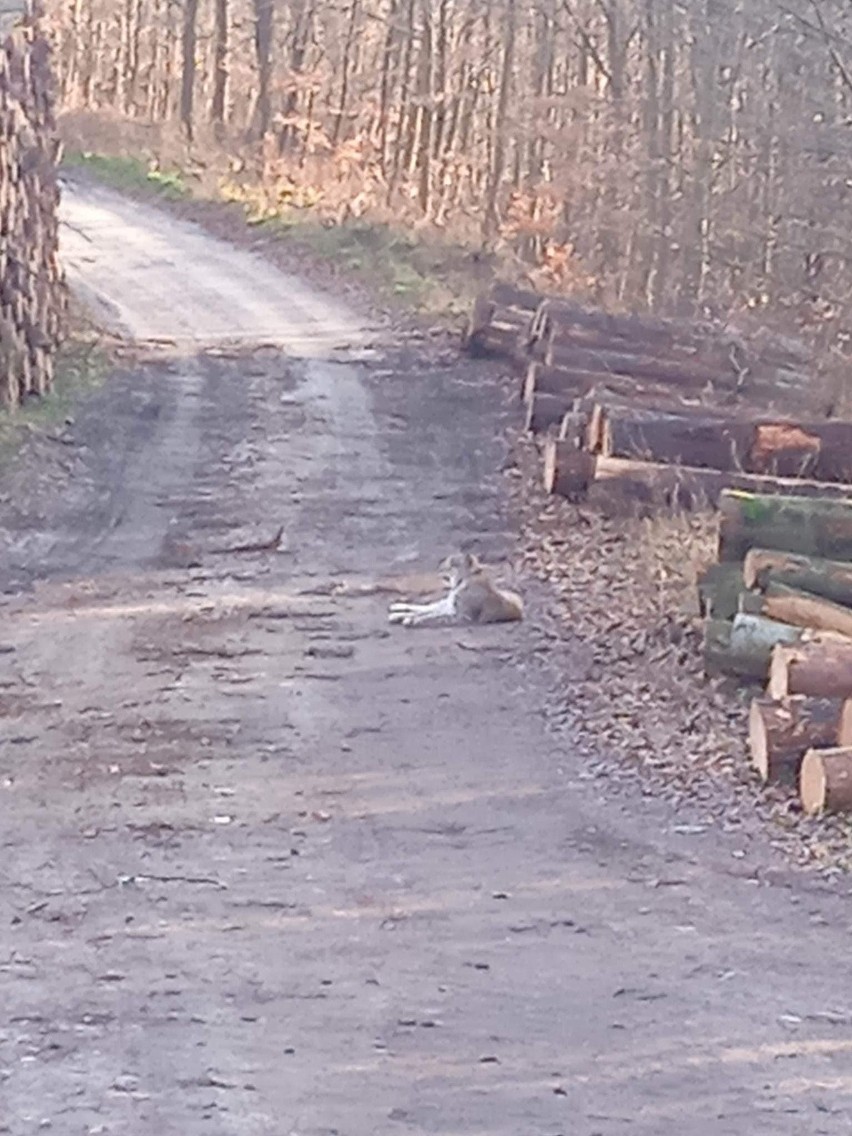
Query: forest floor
[(273, 867)]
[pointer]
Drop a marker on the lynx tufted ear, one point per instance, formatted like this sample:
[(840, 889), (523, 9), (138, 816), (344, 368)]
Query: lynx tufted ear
[(472, 562)]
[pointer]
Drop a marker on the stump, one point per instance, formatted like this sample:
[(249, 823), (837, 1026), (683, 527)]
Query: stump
[(780, 733), (825, 780)]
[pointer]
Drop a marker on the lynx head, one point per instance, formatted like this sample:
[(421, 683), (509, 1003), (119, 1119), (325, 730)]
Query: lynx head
[(459, 567)]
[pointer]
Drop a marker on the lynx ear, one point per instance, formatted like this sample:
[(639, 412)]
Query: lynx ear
[(472, 561)]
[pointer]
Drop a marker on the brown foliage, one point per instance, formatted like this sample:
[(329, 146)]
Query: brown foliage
[(685, 157)]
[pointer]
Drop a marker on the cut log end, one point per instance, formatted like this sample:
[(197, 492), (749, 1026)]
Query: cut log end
[(844, 729), (758, 741), (780, 733), (567, 470), (812, 786), (825, 781), (779, 672), (819, 665)]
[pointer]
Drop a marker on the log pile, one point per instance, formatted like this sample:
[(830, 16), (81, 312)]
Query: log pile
[(668, 412), (686, 415), (33, 296), (778, 613)]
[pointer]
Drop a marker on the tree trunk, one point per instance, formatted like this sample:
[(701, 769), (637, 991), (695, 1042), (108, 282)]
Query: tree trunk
[(567, 470), (819, 666), (825, 781), (818, 526), (263, 29), (345, 69), (491, 212), (187, 85), (780, 733), (693, 439), (744, 646), (220, 67), (831, 579)]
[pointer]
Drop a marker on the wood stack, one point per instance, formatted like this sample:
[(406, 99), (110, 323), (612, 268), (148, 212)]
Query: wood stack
[(778, 609), (33, 297), (665, 412), (685, 414)]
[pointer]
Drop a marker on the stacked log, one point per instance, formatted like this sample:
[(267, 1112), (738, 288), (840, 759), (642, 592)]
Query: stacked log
[(672, 410), (685, 415), (501, 324), (33, 297), (778, 611), (782, 731)]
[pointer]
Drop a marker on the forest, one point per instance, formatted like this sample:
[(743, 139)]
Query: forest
[(687, 156)]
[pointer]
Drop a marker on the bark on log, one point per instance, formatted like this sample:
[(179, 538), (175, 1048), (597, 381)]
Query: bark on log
[(603, 403), (821, 450), (825, 781), (820, 526), (503, 337), (719, 588), (691, 350), (831, 579), (541, 379), (703, 441), (685, 488), (567, 470), (545, 411), (510, 296), (564, 314), (789, 605), (819, 665), (743, 647), (780, 733), (679, 373)]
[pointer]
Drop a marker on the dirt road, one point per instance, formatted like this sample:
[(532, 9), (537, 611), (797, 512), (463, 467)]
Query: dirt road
[(274, 869)]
